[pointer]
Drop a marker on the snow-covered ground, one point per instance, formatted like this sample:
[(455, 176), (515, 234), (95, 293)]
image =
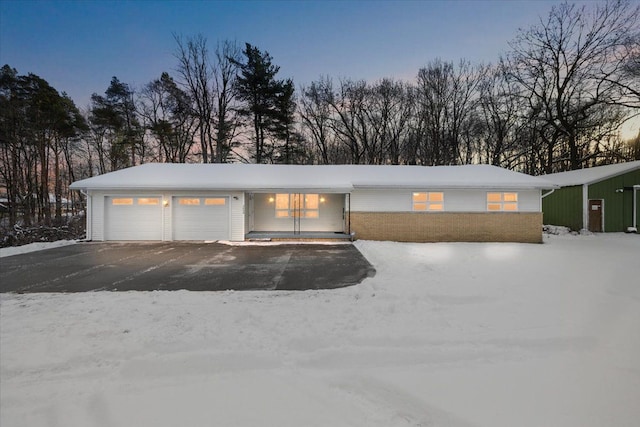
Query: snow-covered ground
[(446, 334), (33, 247)]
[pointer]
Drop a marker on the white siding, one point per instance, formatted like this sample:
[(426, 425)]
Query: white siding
[(398, 200), (381, 200), (97, 216), (166, 217), (237, 216)]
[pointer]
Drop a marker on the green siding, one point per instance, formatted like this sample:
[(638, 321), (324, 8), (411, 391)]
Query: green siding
[(564, 207), (618, 207)]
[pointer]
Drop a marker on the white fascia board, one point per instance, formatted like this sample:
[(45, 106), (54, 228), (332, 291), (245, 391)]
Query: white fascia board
[(325, 190), (436, 186), (306, 189)]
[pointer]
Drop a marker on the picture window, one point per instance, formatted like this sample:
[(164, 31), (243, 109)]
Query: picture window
[(297, 205)]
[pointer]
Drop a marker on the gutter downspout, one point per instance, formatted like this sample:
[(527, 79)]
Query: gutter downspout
[(547, 194), (585, 206), (89, 235), (635, 208), (542, 196)]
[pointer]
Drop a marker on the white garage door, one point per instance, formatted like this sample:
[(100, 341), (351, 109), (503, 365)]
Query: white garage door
[(200, 218), (133, 218)]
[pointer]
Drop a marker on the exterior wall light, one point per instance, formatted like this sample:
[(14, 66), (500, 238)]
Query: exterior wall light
[(165, 203), (322, 199), (271, 199)]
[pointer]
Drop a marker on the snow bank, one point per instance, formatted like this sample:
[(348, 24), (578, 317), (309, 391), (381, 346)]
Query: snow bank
[(445, 334), (33, 247), (560, 230)]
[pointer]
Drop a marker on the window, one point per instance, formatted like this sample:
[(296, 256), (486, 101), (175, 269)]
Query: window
[(497, 202), (148, 201), (122, 201), (215, 201), (433, 201), (189, 202), (297, 205)]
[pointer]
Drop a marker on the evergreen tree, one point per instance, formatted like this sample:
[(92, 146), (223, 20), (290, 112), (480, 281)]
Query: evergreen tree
[(115, 121), (263, 98)]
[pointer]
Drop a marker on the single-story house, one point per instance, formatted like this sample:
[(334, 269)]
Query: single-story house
[(244, 201), (602, 198)]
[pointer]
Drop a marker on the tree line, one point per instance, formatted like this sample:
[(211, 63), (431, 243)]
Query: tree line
[(554, 101)]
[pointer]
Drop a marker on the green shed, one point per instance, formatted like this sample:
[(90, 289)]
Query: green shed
[(602, 198)]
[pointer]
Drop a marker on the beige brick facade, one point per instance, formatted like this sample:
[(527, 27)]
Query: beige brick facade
[(524, 227)]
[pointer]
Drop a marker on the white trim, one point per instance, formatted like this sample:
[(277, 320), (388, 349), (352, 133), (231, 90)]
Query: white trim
[(585, 206), (635, 202), (89, 218)]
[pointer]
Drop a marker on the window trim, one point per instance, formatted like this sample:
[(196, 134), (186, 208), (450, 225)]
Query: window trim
[(306, 212), (507, 201), (437, 204)]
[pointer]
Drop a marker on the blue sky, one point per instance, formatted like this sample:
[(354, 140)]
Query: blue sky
[(77, 46)]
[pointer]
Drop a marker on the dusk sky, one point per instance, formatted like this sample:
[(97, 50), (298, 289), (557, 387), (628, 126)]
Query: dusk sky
[(77, 46)]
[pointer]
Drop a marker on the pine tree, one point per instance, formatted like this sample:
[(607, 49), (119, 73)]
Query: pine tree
[(264, 99)]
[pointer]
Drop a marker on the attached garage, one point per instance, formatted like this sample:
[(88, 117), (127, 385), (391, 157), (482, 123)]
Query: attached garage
[(200, 218), (133, 218)]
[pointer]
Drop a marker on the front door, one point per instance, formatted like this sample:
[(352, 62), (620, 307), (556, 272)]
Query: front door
[(595, 215)]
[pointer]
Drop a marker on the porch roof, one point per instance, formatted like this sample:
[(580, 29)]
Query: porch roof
[(307, 178)]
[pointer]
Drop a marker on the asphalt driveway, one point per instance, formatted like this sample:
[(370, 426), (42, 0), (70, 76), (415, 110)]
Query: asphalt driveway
[(180, 265)]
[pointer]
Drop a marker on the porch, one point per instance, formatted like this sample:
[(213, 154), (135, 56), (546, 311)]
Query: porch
[(271, 236), (297, 216)]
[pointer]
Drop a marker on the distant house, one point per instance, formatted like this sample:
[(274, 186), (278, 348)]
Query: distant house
[(603, 198), (248, 201)]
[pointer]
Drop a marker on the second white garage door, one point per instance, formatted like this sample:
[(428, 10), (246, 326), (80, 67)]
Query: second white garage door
[(201, 218)]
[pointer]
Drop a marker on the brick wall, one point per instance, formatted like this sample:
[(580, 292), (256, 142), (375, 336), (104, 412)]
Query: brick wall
[(525, 227)]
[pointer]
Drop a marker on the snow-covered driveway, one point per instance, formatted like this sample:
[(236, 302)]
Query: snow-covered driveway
[(445, 334)]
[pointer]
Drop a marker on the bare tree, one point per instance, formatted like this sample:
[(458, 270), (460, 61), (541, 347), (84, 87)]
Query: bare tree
[(500, 114), (197, 76), (390, 111), (571, 65), (446, 97), (166, 110), (227, 123), (350, 123), (316, 115)]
